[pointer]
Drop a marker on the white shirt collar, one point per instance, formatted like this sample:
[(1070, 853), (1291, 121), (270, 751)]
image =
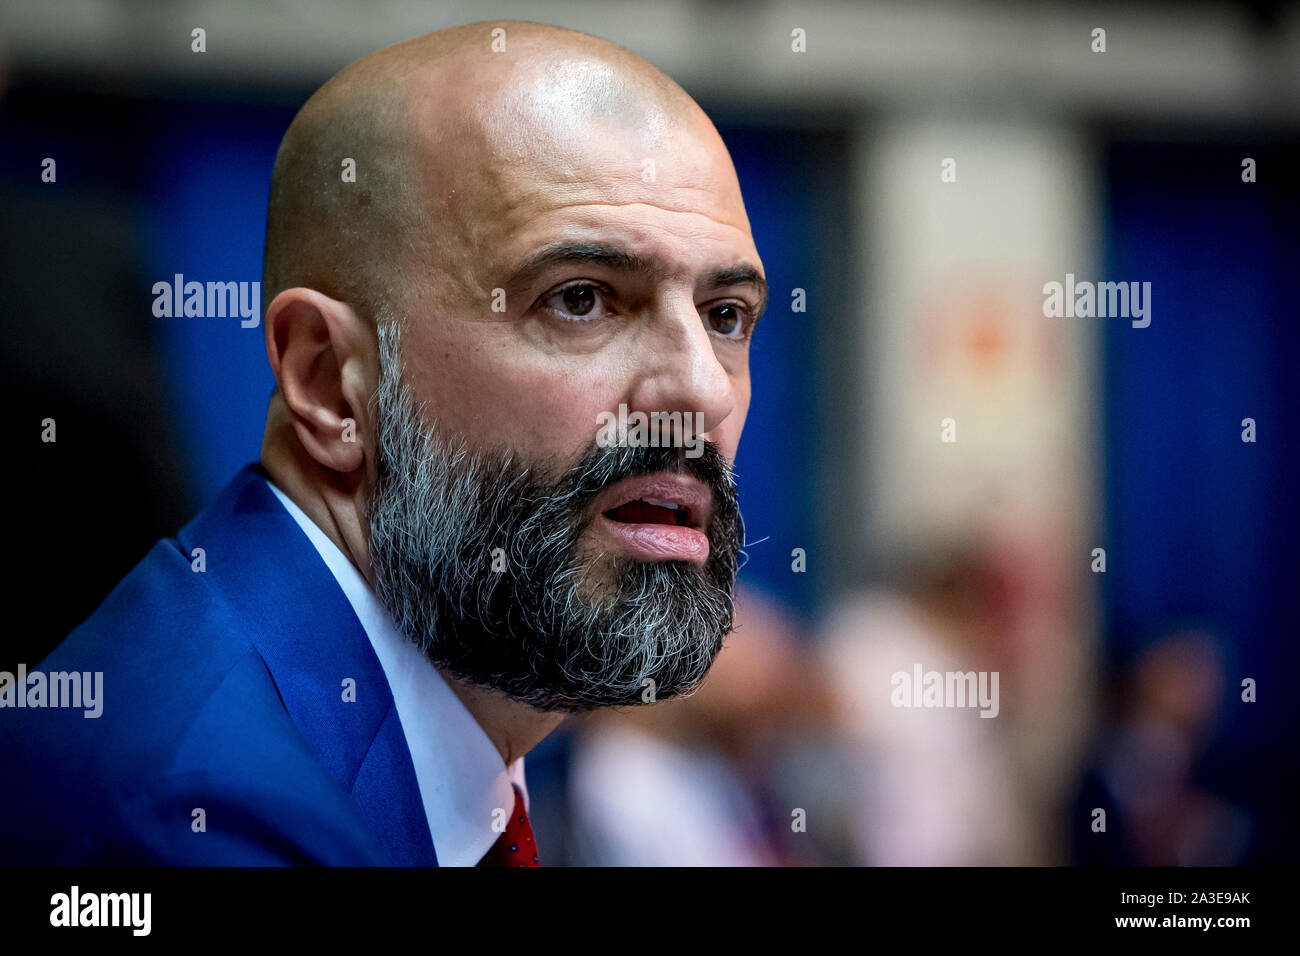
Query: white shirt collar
[(462, 777)]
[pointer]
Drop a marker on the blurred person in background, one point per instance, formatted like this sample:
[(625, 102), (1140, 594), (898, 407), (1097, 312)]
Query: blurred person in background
[(935, 784), (1144, 774), (945, 786)]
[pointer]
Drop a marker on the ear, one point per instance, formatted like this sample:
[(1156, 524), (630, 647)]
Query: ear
[(325, 359)]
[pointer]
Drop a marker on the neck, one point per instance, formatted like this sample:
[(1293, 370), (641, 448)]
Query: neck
[(513, 727), (336, 503)]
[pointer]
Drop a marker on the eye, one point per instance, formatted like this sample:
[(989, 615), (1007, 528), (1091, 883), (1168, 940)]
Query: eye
[(729, 319), (579, 302)]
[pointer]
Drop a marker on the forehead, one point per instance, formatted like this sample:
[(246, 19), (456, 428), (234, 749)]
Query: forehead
[(553, 160), (679, 229)]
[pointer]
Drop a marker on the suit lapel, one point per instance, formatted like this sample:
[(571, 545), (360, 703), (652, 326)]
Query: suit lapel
[(323, 665)]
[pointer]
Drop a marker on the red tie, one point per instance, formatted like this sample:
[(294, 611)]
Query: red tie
[(515, 846)]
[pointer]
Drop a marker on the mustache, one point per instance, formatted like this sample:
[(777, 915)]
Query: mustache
[(599, 467)]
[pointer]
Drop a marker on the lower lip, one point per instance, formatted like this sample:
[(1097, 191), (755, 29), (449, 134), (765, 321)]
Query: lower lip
[(659, 542)]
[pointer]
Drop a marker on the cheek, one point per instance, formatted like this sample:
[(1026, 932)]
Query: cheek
[(555, 412), (727, 434), (538, 411), (727, 438)]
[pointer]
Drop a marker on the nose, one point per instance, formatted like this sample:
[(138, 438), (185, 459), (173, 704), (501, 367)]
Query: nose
[(680, 371)]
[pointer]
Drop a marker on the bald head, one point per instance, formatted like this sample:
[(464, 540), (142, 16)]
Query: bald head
[(425, 124)]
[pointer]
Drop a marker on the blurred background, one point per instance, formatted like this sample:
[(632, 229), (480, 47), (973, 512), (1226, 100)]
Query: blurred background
[(1099, 534)]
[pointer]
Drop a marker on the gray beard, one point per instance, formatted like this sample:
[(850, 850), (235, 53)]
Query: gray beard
[(552, 626)]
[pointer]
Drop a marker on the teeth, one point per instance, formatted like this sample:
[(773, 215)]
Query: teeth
[(661, 504)]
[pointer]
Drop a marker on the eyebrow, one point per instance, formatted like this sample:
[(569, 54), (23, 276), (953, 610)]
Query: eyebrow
[(623, 260)]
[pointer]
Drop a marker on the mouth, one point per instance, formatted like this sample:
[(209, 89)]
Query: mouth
[(657, 517)]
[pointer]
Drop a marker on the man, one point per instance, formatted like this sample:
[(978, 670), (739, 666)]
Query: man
[(482, 244)]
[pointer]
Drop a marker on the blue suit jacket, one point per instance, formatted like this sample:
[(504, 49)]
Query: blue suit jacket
[(223, 691)]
